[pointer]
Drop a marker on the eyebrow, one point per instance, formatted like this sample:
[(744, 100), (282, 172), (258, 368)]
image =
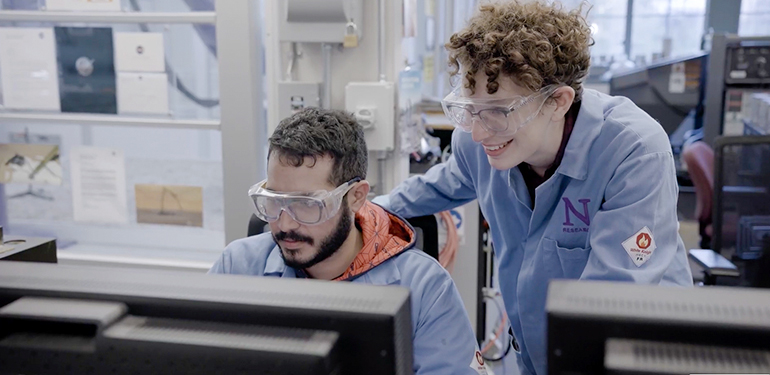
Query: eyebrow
[(303, 194), (298, 193)]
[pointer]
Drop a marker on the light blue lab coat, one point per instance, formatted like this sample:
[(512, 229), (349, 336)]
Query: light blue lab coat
[(616, 178), (443, 339)]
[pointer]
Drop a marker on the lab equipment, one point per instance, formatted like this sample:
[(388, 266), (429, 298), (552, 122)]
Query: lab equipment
[(107, 320), (314, 21), (742, 188), (741, 224), (374, 104), (737, 68), (742, 203), (753, 231), (295, 96), (756, 114), (667, 90), (622, 328)]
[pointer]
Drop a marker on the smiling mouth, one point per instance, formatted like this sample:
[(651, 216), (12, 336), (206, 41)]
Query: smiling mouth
[(498, 147)]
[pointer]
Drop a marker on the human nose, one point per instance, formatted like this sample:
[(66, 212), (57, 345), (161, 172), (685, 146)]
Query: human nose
[(478, 132), (286, 222)]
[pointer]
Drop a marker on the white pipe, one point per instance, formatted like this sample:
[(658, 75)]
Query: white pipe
[(327, 96), (381, 157), (381, 42), (292, 58)]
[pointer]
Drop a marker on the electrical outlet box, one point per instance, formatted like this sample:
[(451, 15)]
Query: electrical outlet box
[(294, 96), (374, 105)]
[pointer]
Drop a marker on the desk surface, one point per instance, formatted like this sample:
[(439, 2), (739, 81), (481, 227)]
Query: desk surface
[(33, 249), (139, 257)]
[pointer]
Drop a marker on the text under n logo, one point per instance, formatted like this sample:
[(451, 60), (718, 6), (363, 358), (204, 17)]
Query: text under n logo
[(568, 207)]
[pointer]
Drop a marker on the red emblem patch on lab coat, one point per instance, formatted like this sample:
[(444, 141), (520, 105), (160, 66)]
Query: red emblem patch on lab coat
[(640, 246), (477, 364)]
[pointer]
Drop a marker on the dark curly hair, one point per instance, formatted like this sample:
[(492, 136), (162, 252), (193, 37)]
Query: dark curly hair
[(536, 43), (316, 132)]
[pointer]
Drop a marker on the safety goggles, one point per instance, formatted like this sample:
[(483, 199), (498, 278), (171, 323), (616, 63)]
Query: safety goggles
[(497, 116), (307, 208)]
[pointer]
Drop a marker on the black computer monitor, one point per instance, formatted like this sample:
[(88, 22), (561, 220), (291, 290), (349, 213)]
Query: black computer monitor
[(597, 328), (60, 319)]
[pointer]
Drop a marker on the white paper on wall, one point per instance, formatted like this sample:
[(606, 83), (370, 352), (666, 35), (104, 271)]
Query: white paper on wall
[(28, 67), (139, 52), (98, 185), (143, 93)]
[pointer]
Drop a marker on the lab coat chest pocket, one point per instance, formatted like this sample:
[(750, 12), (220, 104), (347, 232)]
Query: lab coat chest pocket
[(564, 263)]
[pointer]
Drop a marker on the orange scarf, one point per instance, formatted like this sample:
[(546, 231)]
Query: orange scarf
[(384, 235)]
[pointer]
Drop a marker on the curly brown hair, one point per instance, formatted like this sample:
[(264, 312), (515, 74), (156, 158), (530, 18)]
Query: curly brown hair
[(536, 43), (315, 133)]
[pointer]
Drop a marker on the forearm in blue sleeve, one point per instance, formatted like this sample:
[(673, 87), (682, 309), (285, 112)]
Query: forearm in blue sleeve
[(443, 187)]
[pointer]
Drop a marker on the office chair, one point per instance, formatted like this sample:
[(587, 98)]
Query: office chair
[(256, 226), (425, 228), (741, 212), (699, 158)]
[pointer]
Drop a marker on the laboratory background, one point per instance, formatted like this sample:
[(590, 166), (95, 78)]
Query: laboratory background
[(132, 130)]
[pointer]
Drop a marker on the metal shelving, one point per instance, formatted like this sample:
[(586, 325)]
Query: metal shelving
[(108, 17), (107, 120)]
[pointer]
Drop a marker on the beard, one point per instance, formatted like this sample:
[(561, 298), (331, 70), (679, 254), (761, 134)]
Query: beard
[(328, 246)]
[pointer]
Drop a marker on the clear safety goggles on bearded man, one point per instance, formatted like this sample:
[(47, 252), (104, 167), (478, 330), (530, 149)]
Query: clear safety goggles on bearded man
[(498, 116), (308, 208)]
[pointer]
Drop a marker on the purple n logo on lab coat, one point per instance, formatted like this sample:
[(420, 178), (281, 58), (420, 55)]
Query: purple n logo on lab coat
[(568, 207)]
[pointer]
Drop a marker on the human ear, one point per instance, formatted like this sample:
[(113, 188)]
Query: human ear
[(562, 98), (357, 195)]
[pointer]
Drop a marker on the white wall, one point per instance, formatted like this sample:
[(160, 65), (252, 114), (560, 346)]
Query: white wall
[(348, 65)]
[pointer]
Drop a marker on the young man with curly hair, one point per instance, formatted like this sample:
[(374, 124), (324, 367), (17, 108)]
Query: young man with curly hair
[(322, 227), (575, 184)]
